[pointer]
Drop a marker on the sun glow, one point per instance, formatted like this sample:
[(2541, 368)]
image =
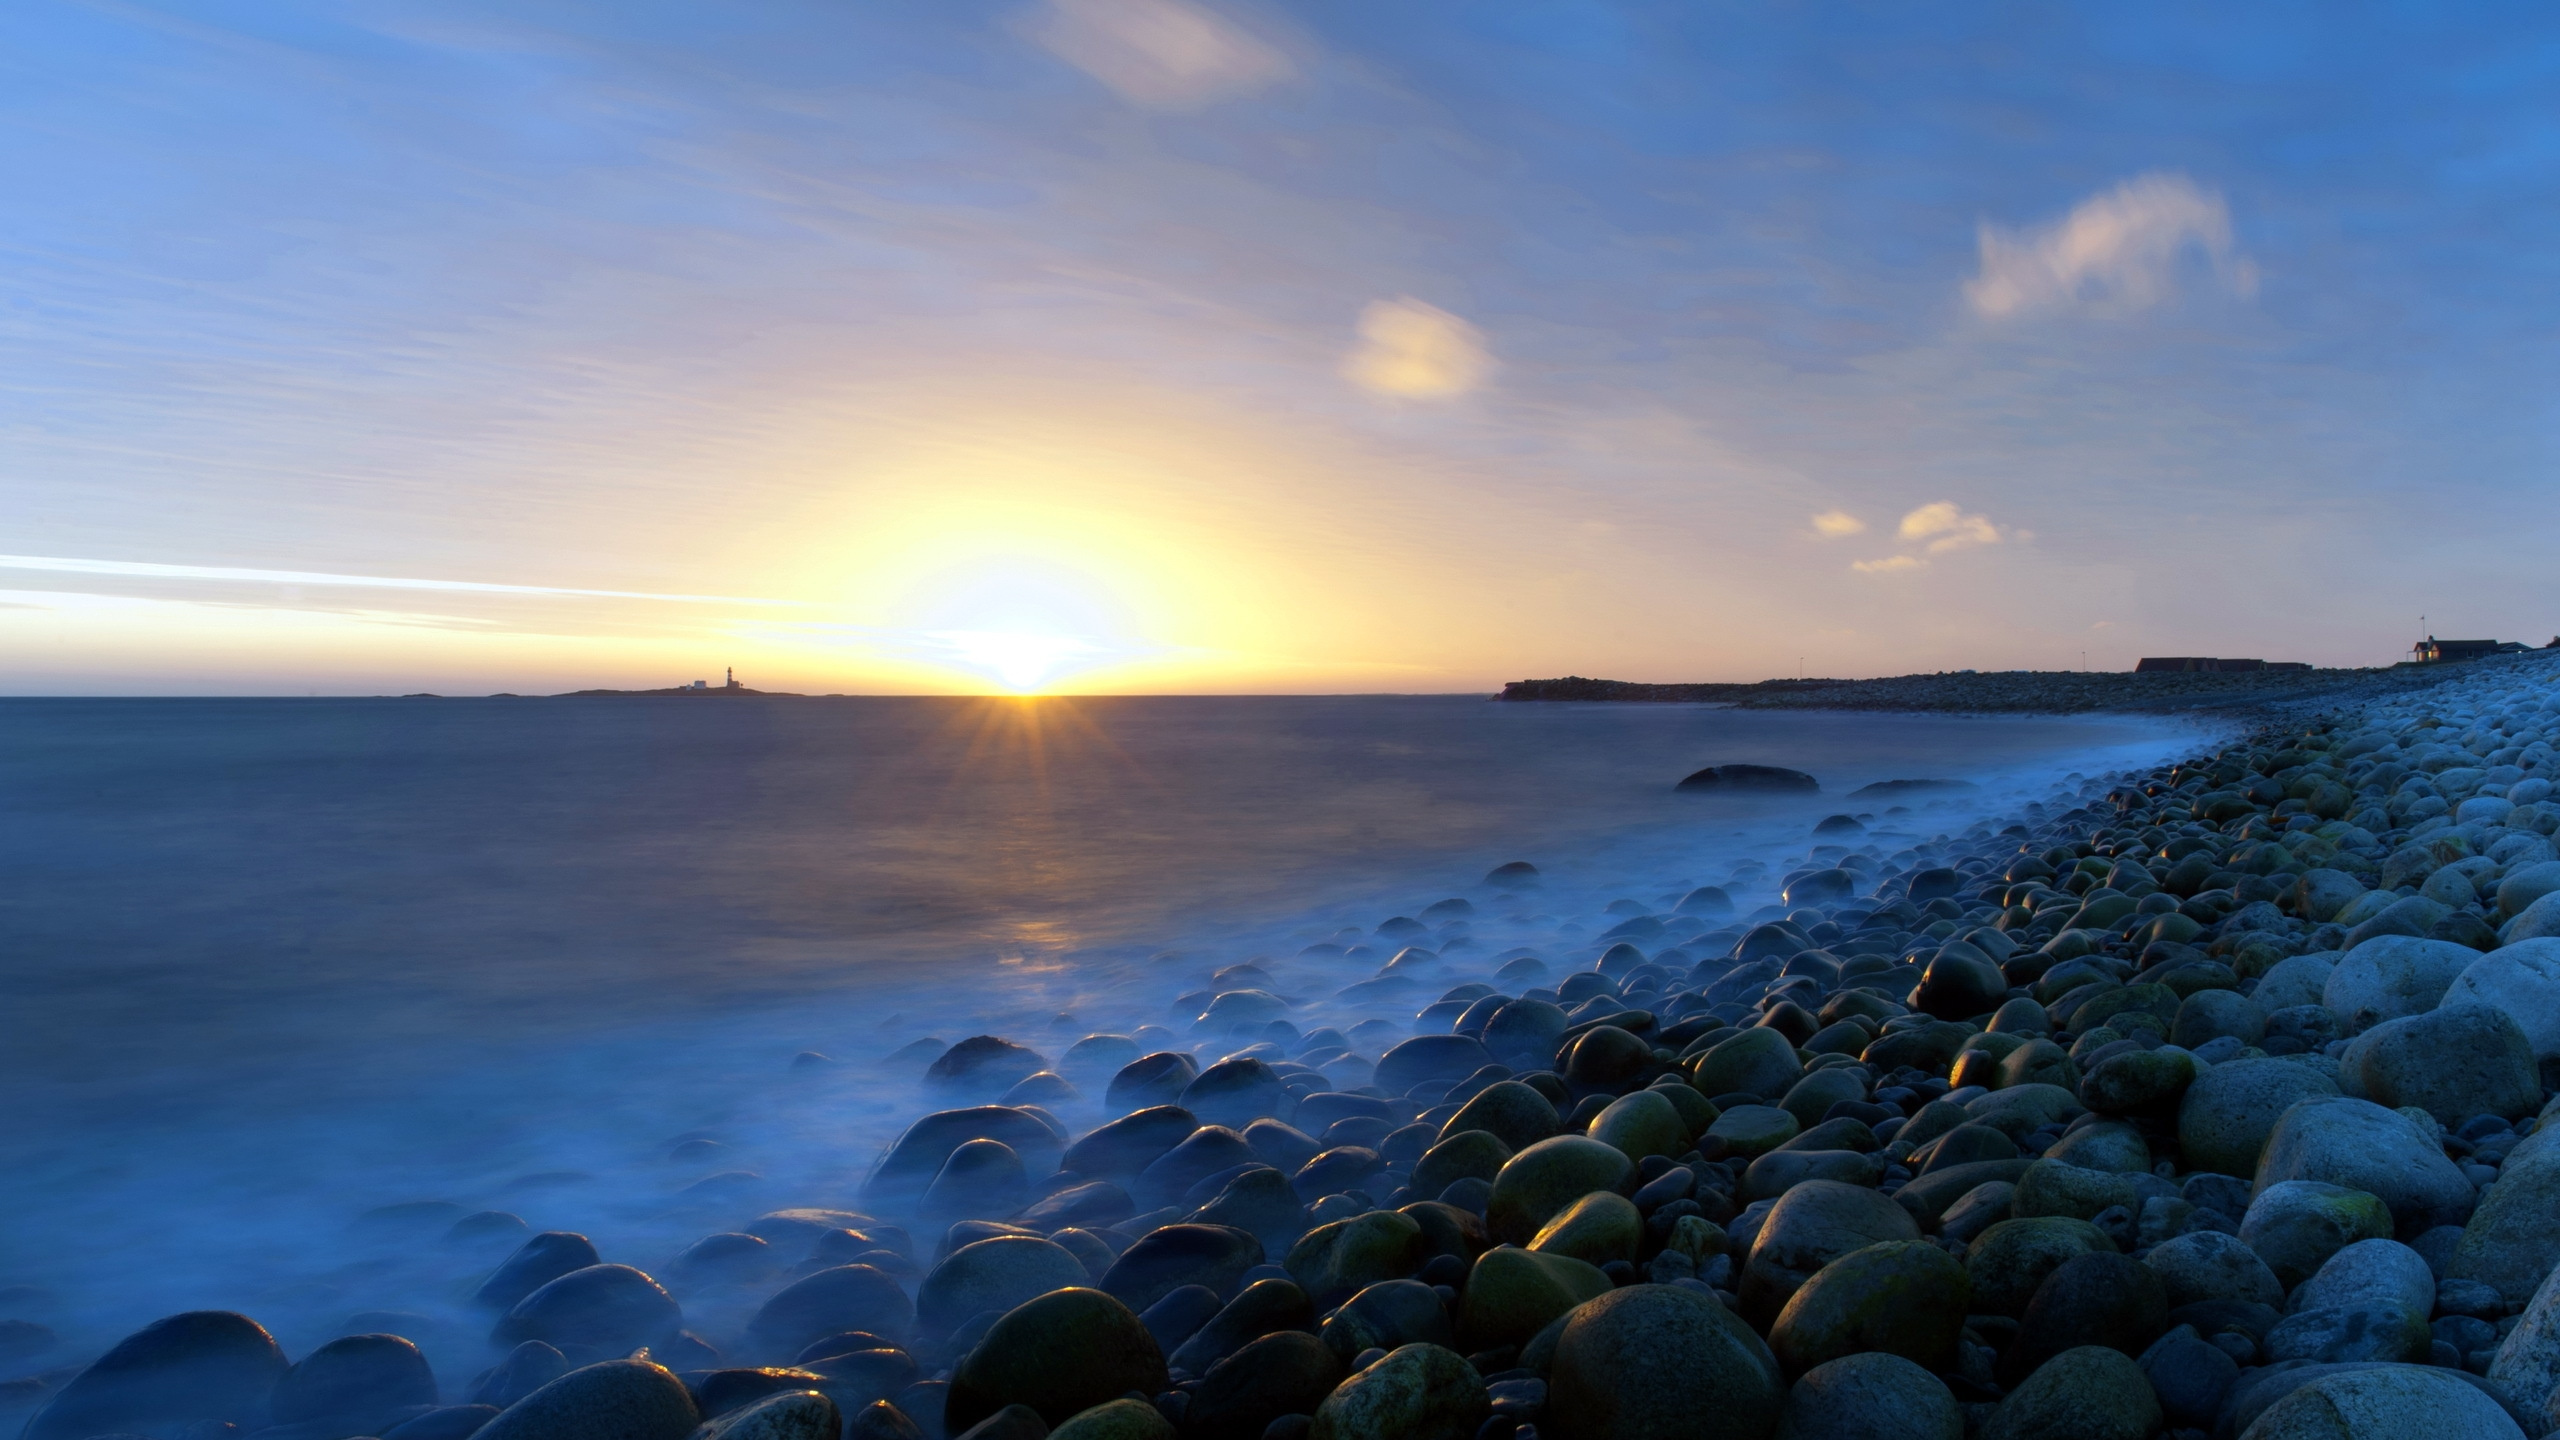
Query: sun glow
[(1020, 661)]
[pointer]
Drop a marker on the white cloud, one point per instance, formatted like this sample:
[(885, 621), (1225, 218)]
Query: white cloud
[(1946, 527), (1887, 565), (2115, 252), (1416, 351), (1835, 524), (1162, 54)]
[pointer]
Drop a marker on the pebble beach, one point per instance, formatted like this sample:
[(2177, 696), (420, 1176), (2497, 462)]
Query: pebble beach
[(2206, 1099)]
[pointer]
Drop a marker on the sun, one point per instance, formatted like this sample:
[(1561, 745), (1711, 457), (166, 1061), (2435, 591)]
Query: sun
[(1022, 661)]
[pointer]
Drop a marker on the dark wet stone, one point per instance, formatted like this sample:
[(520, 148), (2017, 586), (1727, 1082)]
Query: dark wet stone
[(882, 1420), (1261, 1308), (847, 1297), (1905, 1297), (526, 1368), (2090, 1393), (1153, 1081), (995, 1274), (1177, 1317), (1660, 1362), (1203, 1153), (981, 1180), (983, 1065), (201, 1365), (1389, 1315), (612, 1400), (2101, 1298), (919, 1154), (1172, 1256), (358, 1378), (1607, 1058), (1286, 1373), (1748, 779), (791, 1416), (720, 1391), (536, 1263), (2191, 1377), (1013, 1422), (1090, 1206), (1418, 1392), (1430, 1057), (1237, 1092), (445, 1422), (1067, 1351)]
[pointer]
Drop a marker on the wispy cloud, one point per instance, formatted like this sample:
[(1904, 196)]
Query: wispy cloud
[(1945, 527), (2115, 252), (147, 570), (1417, 352), (1887, 565), (1162, 54), (1838, 524)]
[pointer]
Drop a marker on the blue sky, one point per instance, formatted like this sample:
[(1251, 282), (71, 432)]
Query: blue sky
[(1321, 346)]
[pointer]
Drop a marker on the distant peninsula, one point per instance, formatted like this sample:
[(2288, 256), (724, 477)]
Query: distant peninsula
[(2041, 692)]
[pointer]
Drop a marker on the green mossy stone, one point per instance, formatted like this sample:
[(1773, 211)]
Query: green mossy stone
[(1061, 1354), (1812, 1097), (1644, 1123), (1116, 1420), (1753, 1130), (1660, 1362), (1418, 1392), (1509, 1111), (2091, 1393), (1904, 1297), (2007, 1261), (1600, 1227), (1758, 1061), (1468, 1154), (1544, 1180), (1333, 1262), (1512, 1294), (2051, 1187)]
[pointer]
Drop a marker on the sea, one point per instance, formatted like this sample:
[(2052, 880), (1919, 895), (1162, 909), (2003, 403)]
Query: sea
[(292, 984)]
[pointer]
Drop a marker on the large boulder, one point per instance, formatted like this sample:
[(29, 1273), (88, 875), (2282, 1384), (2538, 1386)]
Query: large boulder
[(1418, 1392), (2528, 1360), (920, 1153), (2370, 1403), (2226, 1115), (2393, 975), (613, 1400), (1544, 1180), (1759, 1061), (1288, 1372), (2089, 1393), (994, 1274), (1171, 1256), (2453, 1062), (2510, 1241), (2521, 979), (1429, 1058), (1870, 1396), (1906, 1297), (1124, 1148), (1509, 1111), (1333, 1262), (2296, 1225), (593, 1313), (2360, 1145), (2006, 1262), (203, 1365), (1237, 1092), (1661, 1362), (1810, 1226), (846, 1297), (2206, 1265), (1511, 1295), (1067, 1351), (360, 1379)]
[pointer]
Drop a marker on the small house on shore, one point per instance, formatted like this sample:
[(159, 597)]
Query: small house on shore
[(2431, 650)]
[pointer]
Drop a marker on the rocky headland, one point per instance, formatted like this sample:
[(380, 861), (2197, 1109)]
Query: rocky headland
[(2041, 692), (2212, 1100)]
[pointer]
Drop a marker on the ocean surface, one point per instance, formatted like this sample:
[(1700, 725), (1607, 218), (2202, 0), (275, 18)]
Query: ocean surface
[(273, 963)]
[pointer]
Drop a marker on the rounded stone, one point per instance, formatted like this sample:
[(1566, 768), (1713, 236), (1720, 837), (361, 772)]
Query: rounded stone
[(1388, 1315), (2386, 1400), (1418, 1392), (1642, 1124), (1526, 1031), (601, 1310), (2140, 1082), (1661, 1362), (2510, 1242), (1124, 1148), (1237, 1092), (2453, 1062), (1598, 1228), (1065, 1352), (1151, 1080), (2360, 1145), (2204, 1265), (1812, 1097), (1606, 1058), (1116, 1420), (2051, 1187), (2006, 1262), (1511, 1295), (1171, 1256), (614, 1400), (2089, 1393), (793, 1415), (847, 1297), (1467, 1154), (2213, 1014), (1870, 1396), (2097, 1299), (1810, 1226), (985, 1065), (202, 1365), (995, 1274), (1904, 1297), (1509, 1111), (354, 1377), (2390, 976), (1430, 1057), (2225, 1117), (2296, 1225), (2111, 1146), (1287, 1372), (1333, 1262), (1758, 1061), (540, 1260), (2522, 980), (1752, 1130), (1542, 1181)]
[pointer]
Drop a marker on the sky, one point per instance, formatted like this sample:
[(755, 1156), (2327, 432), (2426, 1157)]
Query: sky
[(1161, 345)]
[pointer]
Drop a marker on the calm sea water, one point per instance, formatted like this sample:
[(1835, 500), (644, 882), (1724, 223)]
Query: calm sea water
[(272, 962)]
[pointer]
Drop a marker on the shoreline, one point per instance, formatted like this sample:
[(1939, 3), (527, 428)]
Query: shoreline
[(1643, 1030)]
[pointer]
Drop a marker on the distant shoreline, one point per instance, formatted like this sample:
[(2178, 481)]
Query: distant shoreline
[(2041, 692)]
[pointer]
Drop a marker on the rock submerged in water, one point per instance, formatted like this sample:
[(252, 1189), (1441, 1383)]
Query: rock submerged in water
[(1749, 780)]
